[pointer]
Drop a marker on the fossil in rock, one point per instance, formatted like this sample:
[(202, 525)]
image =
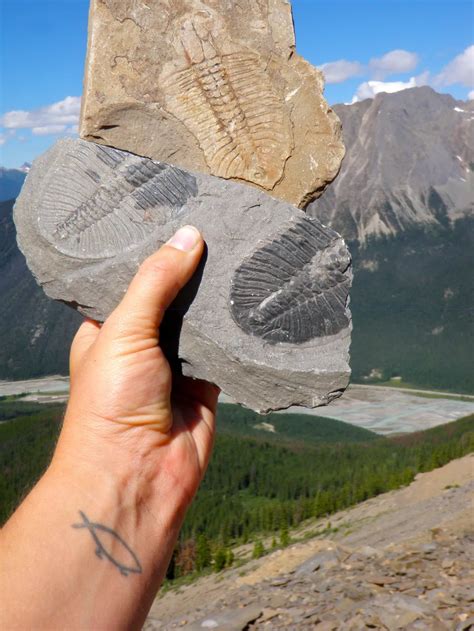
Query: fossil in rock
[(102, 200), (265, 316), (228, 103), (294, 288)]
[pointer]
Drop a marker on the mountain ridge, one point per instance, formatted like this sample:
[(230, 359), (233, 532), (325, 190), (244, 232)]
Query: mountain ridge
[(409, 163)]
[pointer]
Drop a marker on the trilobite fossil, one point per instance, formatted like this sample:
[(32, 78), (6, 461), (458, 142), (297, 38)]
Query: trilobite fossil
[(294, 288), (100, 201), (228, 103)]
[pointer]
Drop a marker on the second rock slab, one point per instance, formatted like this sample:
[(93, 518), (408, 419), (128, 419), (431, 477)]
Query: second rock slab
[(266, 318)]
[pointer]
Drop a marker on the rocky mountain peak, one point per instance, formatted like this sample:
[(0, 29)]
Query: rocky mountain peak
[(409, 162)]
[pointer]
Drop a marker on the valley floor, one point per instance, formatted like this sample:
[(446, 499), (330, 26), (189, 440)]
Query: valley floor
[(402, 560), (381, 409)]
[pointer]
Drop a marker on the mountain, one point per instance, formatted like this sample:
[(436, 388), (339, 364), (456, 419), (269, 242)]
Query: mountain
[(11, 181), (35, 332), (403, 200), (409, 163)]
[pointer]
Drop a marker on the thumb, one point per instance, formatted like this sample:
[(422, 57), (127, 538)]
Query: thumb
[(156, 285)]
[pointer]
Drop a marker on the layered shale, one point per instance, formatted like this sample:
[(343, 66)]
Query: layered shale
[(265, 318)]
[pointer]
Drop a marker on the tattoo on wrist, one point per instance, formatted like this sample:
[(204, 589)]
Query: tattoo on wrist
[(130, 564)]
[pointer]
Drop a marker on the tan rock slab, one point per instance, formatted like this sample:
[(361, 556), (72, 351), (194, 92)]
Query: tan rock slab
[(214, 87)]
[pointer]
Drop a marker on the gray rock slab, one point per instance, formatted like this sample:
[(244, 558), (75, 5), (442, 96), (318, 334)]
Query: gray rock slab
[(266, 316), (322, 560)]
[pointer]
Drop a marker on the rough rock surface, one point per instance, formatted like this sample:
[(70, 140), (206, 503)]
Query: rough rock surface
[(214, 87), (389, 568), (409, 163), (266, 317)]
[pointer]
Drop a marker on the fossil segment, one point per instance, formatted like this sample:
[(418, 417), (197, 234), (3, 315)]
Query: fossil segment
[(287, 275), (213, 87), (229, 105), (294, 288), (101, 201)]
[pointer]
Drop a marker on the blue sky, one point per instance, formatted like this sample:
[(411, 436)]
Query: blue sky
[(364, 46)]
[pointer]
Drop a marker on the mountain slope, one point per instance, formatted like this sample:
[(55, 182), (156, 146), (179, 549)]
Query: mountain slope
[(409, 162), (412, 308), (35, 332), (402, 560), (11, 181)]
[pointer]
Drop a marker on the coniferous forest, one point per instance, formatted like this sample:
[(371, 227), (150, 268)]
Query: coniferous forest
[(258, 482)]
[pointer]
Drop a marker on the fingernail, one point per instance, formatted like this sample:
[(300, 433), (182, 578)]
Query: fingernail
[(185, 239)]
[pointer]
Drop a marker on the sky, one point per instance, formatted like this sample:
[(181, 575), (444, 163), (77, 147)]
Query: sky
[(362, 46)]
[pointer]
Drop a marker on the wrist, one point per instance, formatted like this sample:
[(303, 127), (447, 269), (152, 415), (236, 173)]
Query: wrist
[(115, 540), (147, 491)]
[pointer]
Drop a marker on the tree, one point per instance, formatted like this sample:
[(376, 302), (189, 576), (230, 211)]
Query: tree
[(258, 550), (203, 553), (186, 557), (284, 536), (220, 559)]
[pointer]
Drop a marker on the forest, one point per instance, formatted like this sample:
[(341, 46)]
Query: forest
[(411, 306), (258, 482)]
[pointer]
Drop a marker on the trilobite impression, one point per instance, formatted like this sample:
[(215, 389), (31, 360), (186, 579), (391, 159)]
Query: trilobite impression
[(228, 103), (99, 201), (294, 288)]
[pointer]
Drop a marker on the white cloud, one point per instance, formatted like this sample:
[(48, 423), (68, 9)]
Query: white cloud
[(423, 78), (51, 117), (393, 62), (341, 70), (46, 130), (369, 89), (470, 96), (459, 70), (3, 139)]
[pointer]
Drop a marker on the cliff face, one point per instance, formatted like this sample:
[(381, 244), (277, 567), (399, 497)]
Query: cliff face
[(409, 163)]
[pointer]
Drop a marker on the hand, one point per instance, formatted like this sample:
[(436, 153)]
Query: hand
[(100, 525), (126, 416)]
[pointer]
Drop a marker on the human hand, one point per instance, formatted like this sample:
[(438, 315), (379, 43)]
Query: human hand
[(100, 525), (126, 416)]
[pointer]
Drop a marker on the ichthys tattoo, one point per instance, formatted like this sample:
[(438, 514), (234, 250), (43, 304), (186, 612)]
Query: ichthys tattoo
[(130, 564)]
